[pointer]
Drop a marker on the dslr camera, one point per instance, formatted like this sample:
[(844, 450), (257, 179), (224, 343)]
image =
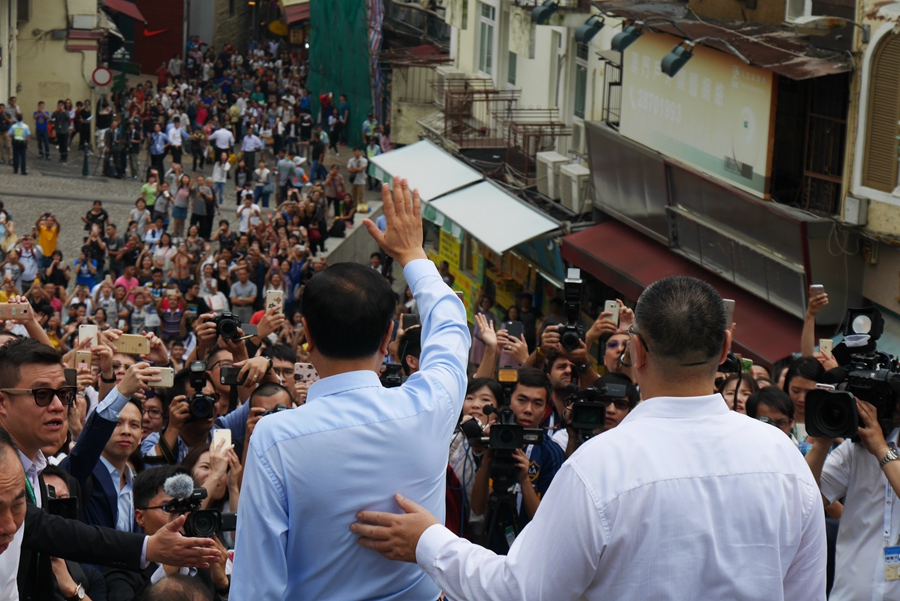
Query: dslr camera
[(199, 523), (227, 325), (202, 406), (869, 375), (589, 406), (571, 333), (278, 409), (392, 376)]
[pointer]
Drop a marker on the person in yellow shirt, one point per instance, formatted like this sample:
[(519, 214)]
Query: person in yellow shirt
[(48, 235)]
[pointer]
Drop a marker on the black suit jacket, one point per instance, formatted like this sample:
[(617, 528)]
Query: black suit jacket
[(125, 585), (49, 536)]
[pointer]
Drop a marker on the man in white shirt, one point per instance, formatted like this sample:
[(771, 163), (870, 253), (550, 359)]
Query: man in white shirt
[(12, 516), (222, 139), (684, 500)]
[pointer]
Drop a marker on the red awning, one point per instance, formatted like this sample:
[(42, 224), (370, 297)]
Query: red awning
[(296, 12), (628, 261), (127, 8)]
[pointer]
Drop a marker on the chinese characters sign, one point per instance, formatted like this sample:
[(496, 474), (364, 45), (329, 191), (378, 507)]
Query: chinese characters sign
[(715, 114)]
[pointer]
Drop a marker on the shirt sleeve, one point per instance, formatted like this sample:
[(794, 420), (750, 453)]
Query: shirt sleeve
[(445, 334), (555, 558), (236, 421), (805, 577), (836, 472), (110, 407), (261, 535)]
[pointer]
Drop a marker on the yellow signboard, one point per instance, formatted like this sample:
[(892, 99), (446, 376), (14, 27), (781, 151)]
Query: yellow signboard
[(715, 114)]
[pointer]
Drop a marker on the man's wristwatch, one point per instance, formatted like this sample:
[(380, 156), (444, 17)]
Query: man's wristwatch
[(892, 454), (79, 594)]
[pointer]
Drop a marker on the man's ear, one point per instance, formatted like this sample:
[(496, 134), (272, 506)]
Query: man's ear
[(726, 347), (5, 406), (310, 344), (412, 363), (139, 517), (386, 340), (638, 353)]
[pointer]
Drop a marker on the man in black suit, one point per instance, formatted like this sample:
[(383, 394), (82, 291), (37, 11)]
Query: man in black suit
[(33, 402), (114, 140)]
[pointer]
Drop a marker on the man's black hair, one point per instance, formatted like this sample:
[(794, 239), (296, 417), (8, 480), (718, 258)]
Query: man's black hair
[(268, 390), (7, 443), (148, 483), (348, 308), (177, 587), (773, 397), (280, 351), (374, 254), (24, 351), (552, 358), (409, 346), (155, 270), (533, 378), (71, 482), (804, 367), (682, 319)]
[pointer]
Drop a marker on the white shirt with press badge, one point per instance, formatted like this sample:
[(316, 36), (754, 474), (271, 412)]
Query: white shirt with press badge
[(869, 537), (684, 500)]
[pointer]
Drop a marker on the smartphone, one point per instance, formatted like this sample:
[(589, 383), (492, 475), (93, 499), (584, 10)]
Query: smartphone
[(515, 329), (249, 329), (222, 434), (275, 298), (459, 294), (408, 320), (14, 311), (65, 508), (305, 372), (826, 345), (71, 376), (228, 376), (167, 378), (83, 358), (133, 344), (816, 290), (87, 332), (746, 365), (612, 307), (729, 312), (824, 387)]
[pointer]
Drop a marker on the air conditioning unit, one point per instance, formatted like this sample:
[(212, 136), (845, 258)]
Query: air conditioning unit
[(442, 74), (579, 141), (573, 182), (84, 21), (548, 167)]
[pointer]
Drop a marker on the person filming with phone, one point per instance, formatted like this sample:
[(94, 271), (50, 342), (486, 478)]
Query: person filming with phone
[(379, 440), (652, 509)]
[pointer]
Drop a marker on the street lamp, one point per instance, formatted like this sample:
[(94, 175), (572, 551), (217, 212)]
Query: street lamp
[(627, 36), (541, 14), (585, 33), (684, 50)]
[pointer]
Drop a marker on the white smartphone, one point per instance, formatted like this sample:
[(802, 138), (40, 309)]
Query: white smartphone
[(824, 387), (612, 307), (826, 345), (729, 312), (816, 290), (167, 375), (222, 434), (87, 331), (275, 298)]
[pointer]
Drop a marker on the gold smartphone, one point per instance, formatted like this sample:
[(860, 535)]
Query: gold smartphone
[(133, 344), (167, 375), (14, 311), (83, 358)]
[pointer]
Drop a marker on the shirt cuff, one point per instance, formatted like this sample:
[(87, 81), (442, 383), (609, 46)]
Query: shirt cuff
[(430, 544), (417, 270), (112, 405), (144, 562)]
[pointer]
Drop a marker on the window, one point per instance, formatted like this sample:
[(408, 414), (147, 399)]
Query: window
[(580, 80), (880, 164), (486, 39), (511, 75)]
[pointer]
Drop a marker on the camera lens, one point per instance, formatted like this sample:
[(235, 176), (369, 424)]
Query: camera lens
[(202, 524), (228, 329), (202, 406), (506, 437), (834, 416), (570, 341)]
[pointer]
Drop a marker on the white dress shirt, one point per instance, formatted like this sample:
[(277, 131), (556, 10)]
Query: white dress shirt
[(684, 500), (851, 471), (352, 446), (9, 567)]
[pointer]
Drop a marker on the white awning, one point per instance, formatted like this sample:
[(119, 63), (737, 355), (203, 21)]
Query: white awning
[(426, 166), (494, 216)]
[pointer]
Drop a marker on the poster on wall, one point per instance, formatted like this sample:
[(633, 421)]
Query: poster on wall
[(715, 114)]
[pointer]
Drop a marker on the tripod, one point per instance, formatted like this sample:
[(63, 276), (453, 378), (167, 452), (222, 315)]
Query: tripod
[(501, 515)]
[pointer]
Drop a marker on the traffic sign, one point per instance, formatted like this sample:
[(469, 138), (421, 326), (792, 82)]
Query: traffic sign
[(102, 76)]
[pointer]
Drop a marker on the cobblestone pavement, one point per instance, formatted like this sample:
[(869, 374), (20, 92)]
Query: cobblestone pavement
[(62, 190)]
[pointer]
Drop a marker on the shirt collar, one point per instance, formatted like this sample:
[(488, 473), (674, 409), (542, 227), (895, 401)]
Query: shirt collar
[(342, 383), (114, 472), (33, 468), (679, 408)]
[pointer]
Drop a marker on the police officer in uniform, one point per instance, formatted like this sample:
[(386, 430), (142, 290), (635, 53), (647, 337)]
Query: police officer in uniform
[(20, 134)]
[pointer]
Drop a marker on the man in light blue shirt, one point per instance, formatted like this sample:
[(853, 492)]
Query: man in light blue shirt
[(125, 440), (354, 444)]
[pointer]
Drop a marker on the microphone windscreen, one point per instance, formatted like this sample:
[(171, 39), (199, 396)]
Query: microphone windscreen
[(179, 486)]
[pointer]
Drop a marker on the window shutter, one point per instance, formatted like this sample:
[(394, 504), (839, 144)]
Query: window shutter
[(880, 166)]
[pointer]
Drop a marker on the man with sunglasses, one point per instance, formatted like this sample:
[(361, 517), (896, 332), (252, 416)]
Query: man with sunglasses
[(652, 509), (34, 398)]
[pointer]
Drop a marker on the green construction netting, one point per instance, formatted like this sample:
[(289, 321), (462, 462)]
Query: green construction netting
[(339, 59)]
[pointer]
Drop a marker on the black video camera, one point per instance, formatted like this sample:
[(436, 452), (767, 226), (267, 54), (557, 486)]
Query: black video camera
[(202, 406), (589, 405), (392, 375), (571, 333), (201, 523), (227, 325)]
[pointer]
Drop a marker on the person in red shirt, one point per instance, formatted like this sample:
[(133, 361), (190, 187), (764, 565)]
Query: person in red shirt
[(162, 76)]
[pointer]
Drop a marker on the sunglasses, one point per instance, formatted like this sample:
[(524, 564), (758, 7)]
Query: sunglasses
[(44, 396)]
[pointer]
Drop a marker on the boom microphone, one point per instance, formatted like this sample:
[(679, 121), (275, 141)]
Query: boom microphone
[(179, 486)]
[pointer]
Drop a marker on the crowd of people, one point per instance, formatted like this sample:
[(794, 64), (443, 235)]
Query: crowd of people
[(86, 414)]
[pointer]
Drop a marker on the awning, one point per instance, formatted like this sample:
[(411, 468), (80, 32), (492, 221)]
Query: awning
[(106, 24), (452, 190), (494, 216), (296, 13), (431, 169), (126, 8), (629, 262)]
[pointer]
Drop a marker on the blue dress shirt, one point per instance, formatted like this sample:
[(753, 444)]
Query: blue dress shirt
[(124, 497), (158, 143), (351, 447)]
